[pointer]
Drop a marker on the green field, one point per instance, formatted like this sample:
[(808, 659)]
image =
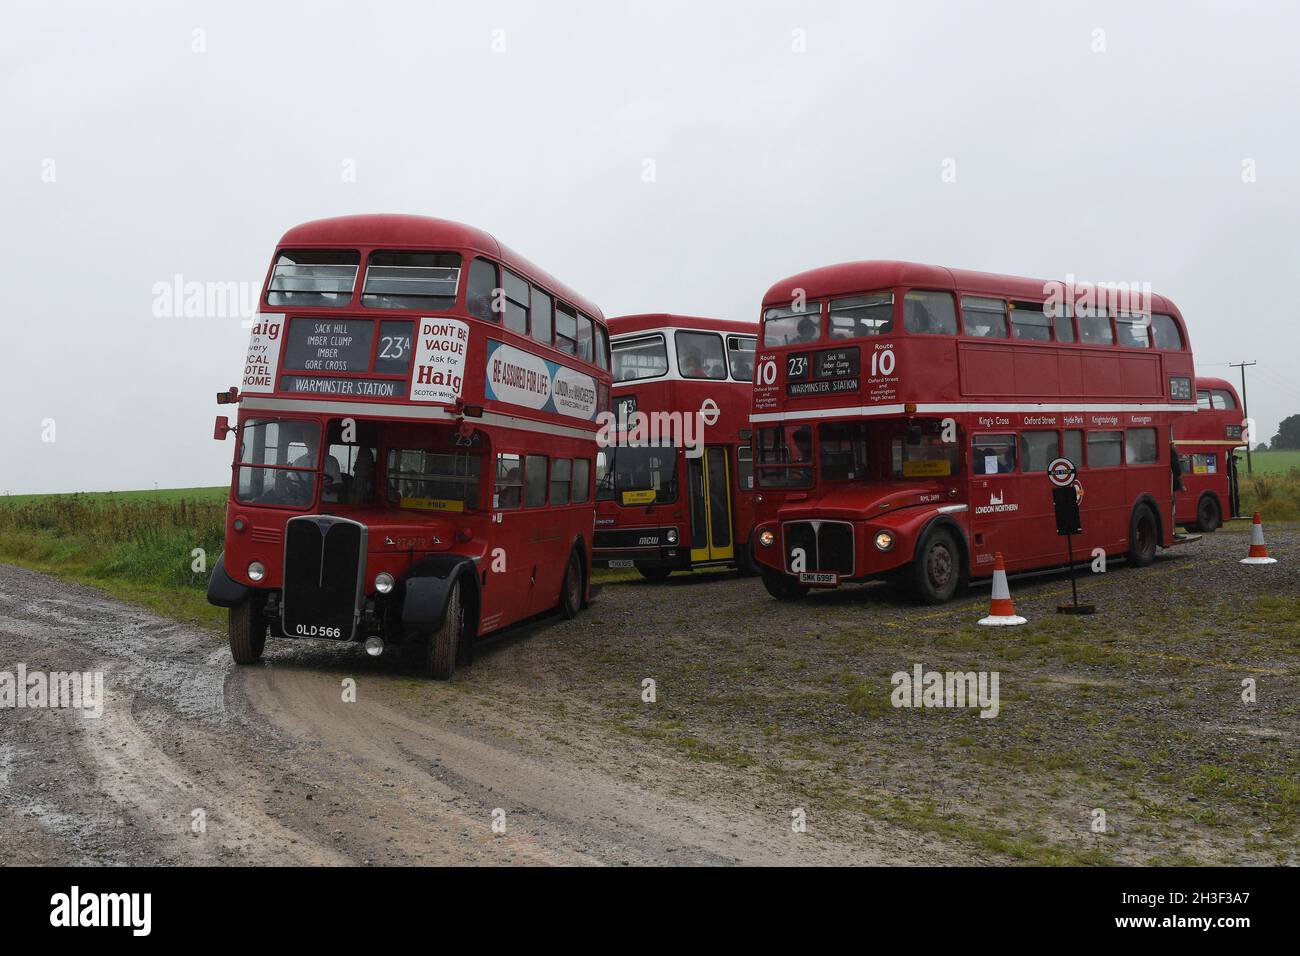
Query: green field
[(1272, 462), (136, 545), (108, 497)]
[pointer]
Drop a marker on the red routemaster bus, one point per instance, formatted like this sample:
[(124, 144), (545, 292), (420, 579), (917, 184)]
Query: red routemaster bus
[(1205, 442), (905, 415), (416, 441), (674, 480)]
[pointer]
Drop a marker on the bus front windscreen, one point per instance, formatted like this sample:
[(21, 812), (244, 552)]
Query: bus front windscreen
[(277, 463), (626, 469)]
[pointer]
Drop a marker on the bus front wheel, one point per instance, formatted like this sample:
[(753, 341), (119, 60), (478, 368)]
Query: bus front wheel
[(246, 630), (1143, 533), (1208, 515), (444, 642), (936, 569), (782, 587)]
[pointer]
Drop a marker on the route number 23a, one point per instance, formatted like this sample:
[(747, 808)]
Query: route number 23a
[(796, 366), (882, 362)]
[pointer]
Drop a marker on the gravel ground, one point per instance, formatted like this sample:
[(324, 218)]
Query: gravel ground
[(770, 738)]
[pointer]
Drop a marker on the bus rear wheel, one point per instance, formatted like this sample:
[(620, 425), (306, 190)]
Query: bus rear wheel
[(652, 573), (1143, 534), (440, 662), (246, 631), (572, 590), (782, 587), (936, 569), (1208, 515)]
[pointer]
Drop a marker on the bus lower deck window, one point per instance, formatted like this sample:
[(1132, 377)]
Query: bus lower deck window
[(993, 454), (509, 481), (1104, 449), (1037, 449)]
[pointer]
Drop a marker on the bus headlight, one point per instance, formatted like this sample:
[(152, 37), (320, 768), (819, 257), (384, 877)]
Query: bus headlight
[(383, 582), (256, 571), (766, 538), (671, 536), (884, 541)]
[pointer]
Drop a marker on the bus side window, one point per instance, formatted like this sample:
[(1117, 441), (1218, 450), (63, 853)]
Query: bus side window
[(1140, 446), (541, 313), (509, 481), (1104, 449), (482, 290), (1073, 446), (581, 480), (984, 317), (535, 481), (517, 294), (561, 478), (993, 454), (1037, 449), (929, 313)]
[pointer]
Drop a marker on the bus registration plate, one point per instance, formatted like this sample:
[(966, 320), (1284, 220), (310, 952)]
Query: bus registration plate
[(821, 579), (619, 563)]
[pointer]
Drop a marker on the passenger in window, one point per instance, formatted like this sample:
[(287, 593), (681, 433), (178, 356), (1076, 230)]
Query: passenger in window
[(333, 479), (694, 365), (806, 330), (510, 496)]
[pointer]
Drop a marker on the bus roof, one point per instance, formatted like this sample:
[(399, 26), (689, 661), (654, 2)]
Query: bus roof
[(1203, 381), (848, 278), (396, 231), (645, 322)]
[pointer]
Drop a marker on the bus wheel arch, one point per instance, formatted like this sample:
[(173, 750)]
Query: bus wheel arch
[(428, 590)]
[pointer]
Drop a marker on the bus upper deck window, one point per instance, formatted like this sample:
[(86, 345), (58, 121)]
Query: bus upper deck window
[(793, 324), (602, 347), (541, 316), (640, 358), (1133, 330), (315, 277), (1029, 322), (481, 289), (411, 280), (584, 338), (929, 313), (983, 317), (1165, 332), (699, 355), (740, 356), (518, 294), (862, 315), (1094, 327), (1222, 398), (566, 329)]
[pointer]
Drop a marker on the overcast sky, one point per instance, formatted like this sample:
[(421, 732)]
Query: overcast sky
[(1104, 140)]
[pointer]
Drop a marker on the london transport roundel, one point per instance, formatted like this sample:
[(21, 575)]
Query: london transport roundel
[(1061, 472)]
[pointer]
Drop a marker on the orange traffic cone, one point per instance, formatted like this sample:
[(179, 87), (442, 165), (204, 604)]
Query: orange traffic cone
[(1258, 553), (1001, 613)]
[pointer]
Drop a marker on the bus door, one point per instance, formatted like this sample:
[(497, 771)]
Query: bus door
[(709, 481), (1234, 497)]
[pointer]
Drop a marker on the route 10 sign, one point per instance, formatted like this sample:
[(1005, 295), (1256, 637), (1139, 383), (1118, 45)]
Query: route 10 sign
[(1061, 472)]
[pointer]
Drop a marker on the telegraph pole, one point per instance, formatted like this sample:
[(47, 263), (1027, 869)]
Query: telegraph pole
[(1245, 409)]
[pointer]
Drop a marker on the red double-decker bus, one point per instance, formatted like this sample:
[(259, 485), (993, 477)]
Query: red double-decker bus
[(1205, 443), (905, 416), (416, 442), (674, 486)]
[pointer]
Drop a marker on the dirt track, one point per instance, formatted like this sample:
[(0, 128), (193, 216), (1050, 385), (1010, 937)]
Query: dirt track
[(286, 772)]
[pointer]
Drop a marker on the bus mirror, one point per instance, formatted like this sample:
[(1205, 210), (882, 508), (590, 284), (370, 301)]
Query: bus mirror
[(222, 428), (228, 397)]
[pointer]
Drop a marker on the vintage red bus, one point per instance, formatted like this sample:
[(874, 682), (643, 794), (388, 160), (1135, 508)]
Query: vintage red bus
[(415, 442), (905, 415), (1205, 442), (674, 481)]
